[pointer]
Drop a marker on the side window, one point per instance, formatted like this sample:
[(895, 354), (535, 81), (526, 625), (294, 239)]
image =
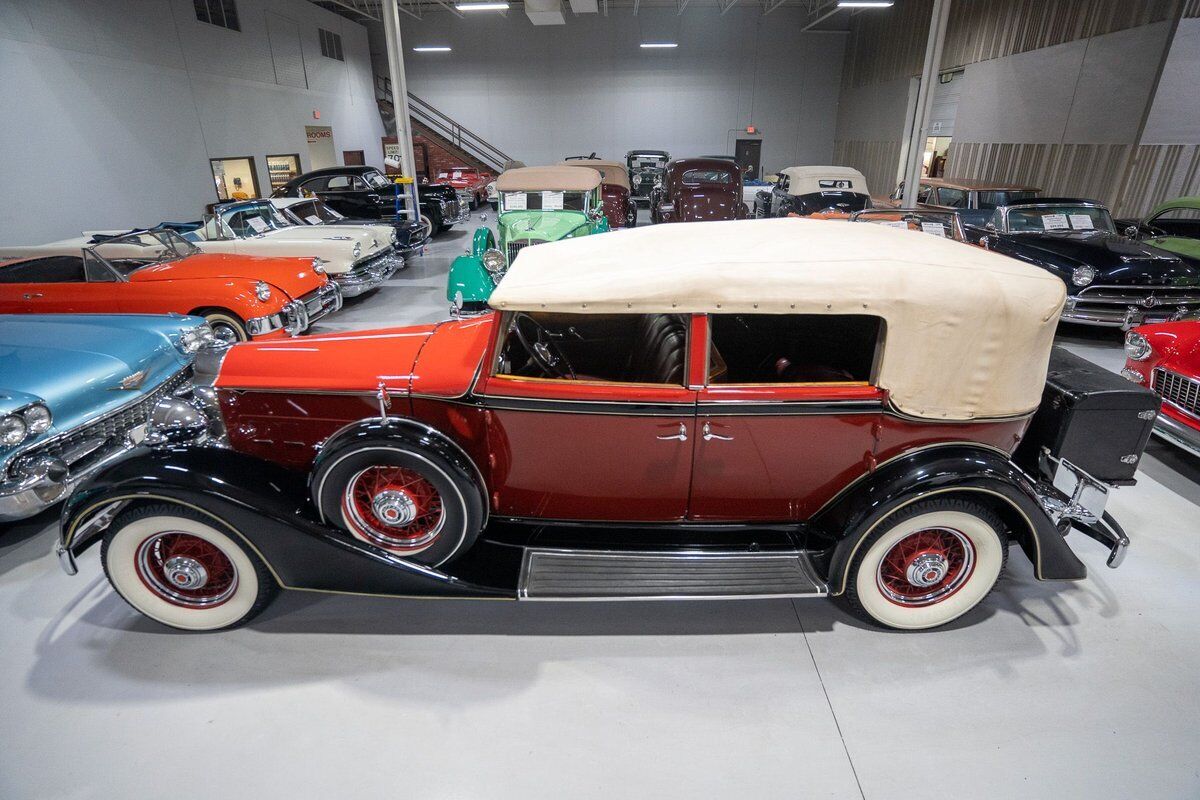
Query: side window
[(313, 186), (52, 269), (619, 348), (792, 348), (96, 271), (1178, 222), (923, 192), (340, 183), (955, 198)]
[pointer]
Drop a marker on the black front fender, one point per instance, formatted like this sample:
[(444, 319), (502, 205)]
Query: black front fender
[(267, 508), (964, 470)]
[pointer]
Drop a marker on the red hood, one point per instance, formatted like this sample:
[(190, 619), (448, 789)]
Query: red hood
[(463, 182), (337, 362), (293, 275), (1178, 343)]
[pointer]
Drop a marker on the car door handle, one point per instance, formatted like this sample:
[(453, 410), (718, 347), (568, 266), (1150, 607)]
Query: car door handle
[(709, 435), (680, 437), (32, 295)]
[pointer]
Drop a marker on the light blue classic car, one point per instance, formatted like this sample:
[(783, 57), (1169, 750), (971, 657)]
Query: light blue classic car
[(76, 391)]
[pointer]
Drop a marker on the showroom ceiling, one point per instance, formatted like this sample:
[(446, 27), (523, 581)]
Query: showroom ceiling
[(829, 15)]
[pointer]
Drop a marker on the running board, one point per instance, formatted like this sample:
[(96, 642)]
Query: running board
[(664, 575)]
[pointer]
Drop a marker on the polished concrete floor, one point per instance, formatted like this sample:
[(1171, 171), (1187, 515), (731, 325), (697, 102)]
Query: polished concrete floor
[(1087, 690)]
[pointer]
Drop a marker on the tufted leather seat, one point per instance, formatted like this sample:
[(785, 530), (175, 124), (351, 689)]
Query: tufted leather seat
[(659, 350)]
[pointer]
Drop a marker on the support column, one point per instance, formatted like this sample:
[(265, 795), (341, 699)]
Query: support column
[(395, 57), (929, 77)]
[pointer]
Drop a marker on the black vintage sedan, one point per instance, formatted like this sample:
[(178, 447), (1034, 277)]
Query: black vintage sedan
[(1111, 279), (363, 192)]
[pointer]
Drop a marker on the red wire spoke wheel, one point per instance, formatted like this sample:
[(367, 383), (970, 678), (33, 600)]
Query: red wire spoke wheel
[(926, 567), (186, 570), (393, 507)]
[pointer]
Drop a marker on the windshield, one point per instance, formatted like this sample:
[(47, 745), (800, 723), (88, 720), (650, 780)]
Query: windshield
[(1056, 218), (707, 176), (376, 180), (543, 201), (313, 212), (991, 200), (132, 251), (252, 220), (936, 223)]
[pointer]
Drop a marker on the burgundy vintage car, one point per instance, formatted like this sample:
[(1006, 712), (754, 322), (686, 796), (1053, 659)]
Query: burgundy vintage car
[(619, 207), (699, 190), (1166, 357), (772, 408)]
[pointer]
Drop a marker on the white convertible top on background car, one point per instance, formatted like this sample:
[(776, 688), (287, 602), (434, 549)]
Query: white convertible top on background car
[(542, 179), (807, 180), (613, 172), (968, 331)]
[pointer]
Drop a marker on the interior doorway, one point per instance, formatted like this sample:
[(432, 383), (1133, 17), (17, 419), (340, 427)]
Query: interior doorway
[(234, 178), (320, 146), (748, 154), (933, 164), (353, 158)]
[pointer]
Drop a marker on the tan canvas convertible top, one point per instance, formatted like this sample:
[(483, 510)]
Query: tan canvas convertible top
[(968, 331), (613, 172), (548, 179), (806, 180)]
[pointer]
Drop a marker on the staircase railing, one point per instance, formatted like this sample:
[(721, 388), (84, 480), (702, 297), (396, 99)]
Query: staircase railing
[(443, 125)]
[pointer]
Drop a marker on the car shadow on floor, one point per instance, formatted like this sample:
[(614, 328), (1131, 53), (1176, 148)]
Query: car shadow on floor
[(17, 545)]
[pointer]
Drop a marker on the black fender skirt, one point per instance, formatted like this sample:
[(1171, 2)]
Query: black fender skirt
[(267, 507), (951, 470)]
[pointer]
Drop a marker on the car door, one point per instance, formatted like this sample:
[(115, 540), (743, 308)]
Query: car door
[(59, 285), (591, 449), (772, 444)]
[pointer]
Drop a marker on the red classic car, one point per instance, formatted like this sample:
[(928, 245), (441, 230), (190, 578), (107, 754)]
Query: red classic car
[(619, 207), (699, 189), (158, 272), (764, 408), (469, 183), (1166, 357)]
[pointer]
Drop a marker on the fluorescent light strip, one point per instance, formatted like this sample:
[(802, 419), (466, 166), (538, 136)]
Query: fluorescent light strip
[(652, 45), (865, 3), (432, 49), (481, 6)]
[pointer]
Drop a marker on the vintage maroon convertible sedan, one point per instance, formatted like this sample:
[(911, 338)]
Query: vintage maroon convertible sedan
[(697, 190), (769, 408)]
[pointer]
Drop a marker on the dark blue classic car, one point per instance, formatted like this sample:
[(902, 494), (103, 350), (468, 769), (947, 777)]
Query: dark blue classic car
[(1111, 279), (76, 391)]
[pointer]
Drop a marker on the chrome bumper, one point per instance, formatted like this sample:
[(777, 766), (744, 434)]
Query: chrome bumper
[(25, 498), (455, 212), (1178, 434), (1124, 318), (1077, 500), (369, 274), (298, 315)]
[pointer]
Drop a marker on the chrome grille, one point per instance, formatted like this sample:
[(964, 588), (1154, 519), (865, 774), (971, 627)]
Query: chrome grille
[(516, 247), (321, 301), (1163, 298), (1178, 390), (102, 436)]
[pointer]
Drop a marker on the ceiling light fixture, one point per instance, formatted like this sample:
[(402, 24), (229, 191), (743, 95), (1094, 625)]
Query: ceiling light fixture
[(653, 45), (481, 6), (865, 3), (432, 49)]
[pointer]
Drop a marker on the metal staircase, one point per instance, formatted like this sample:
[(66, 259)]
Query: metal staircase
[(440, 125)]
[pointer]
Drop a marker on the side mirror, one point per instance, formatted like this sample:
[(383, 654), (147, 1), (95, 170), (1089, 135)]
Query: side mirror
[(1132, 231), (991, 226)]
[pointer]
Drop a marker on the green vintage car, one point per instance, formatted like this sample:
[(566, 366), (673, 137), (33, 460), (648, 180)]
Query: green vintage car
[(1173, 225), (536, 204)]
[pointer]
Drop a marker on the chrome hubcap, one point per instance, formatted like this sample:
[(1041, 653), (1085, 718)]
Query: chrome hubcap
[(927, 569), (394, 507), (185, 573), (225, 334)]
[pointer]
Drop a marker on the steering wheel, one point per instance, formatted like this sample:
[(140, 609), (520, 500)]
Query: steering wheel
[(544, 351)]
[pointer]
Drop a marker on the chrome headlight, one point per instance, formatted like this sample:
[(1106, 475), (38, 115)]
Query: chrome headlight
[(494, 261), (1137, 346), (1082, 276), (262, 291), (12, 430), (37, 418), (318, 265), (356, 251), (192, 339)]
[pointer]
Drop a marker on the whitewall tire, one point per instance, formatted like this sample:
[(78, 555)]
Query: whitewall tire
[(927, 564), (227, 328), (177, 567)]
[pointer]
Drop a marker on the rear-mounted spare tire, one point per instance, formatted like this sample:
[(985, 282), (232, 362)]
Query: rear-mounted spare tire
[(409, 501)]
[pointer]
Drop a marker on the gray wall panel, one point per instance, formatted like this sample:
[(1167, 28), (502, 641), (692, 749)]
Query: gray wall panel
[(1175, 116)]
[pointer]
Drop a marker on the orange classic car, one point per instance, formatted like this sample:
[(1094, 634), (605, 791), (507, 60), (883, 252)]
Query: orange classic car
[(158, 272)]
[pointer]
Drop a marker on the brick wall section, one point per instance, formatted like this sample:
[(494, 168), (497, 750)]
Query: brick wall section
[(437, 151)]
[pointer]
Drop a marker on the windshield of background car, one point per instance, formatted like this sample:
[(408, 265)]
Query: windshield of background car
[(936, 223), (991, 200), (136, 250), (376, 180), (835, 201), (1183, 222), (1049, 219), (543, 201), (253, 220), (651, 162), (707, 176)]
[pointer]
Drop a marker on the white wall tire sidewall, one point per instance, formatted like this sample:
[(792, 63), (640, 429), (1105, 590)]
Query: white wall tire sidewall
[(217, 318), (989, 560), (121, 557)]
